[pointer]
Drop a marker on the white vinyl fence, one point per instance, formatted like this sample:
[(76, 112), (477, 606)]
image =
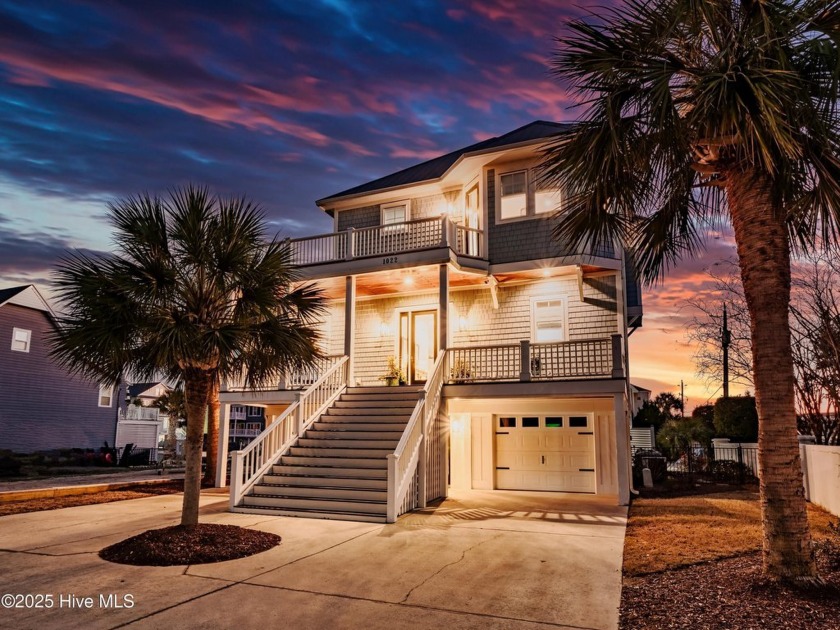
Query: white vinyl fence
[(821, 468)]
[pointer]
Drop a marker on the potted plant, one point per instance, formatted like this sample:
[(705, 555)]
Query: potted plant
[(393, 375)]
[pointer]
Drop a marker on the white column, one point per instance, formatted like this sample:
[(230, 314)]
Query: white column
[(443, 311), (224, 438), (350, 326), (622, 447)]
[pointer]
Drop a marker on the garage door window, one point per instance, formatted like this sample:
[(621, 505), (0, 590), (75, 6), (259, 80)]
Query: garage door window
[(530, 422), (507, 423), (578, 422), (554, 422)]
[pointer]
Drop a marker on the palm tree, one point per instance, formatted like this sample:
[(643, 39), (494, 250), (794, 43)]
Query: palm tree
[(196, 291), (173, 406), (696, 111)]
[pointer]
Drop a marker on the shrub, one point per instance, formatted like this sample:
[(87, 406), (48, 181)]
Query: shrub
[(737, 418), (9, 466)]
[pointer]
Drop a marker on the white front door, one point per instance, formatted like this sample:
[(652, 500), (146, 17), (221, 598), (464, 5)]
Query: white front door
[(545, 452)]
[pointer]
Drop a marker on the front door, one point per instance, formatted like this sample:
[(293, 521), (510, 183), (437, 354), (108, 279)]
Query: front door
[(471, 214), (418, 344)]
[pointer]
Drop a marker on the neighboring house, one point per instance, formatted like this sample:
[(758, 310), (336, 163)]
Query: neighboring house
[(146, 393), (246, 423), (42, 406), (511, 347), (141, 424), (640, 397)]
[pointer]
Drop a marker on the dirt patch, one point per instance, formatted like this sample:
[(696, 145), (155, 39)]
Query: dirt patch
[(180, 545), (729, 594), (56, 503)]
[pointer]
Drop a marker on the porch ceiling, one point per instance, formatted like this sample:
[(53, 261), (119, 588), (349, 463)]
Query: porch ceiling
[(394, 281)]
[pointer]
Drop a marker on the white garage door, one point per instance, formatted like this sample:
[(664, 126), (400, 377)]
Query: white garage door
[(554, 453)]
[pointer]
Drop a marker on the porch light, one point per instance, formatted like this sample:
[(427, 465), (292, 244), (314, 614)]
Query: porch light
[(546, 273), (408, 280)]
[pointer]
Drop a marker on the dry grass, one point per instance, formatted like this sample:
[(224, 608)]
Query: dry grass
[(668, 533)]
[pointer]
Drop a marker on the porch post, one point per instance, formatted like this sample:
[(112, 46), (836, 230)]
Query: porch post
[(350, 325), (622, 447), (224, 438), (443, 318)]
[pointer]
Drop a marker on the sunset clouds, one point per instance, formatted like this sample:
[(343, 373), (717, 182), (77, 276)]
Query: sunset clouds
[(285, 102)]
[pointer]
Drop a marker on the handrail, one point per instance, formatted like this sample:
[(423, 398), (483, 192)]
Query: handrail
[(249, 464), (409, 453)]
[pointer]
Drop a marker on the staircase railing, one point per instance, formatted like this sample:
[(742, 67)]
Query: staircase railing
[(407, 464), (249, 464)]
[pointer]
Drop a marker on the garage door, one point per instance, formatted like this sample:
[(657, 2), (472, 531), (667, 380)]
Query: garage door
[(555, 453)]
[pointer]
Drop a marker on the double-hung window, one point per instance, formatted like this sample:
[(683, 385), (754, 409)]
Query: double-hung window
[(106, 395), (523, 195), (21, 339), (548, 320), (393, 213)]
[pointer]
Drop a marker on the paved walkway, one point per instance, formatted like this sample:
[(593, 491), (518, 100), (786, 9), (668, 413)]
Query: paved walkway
[(484, 560), (106, 476)]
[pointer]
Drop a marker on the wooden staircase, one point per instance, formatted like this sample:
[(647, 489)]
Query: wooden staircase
[(338, 469)]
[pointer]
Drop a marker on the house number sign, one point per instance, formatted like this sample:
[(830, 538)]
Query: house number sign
[(389, 260)]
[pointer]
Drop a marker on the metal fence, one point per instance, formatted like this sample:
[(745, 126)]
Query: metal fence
[(737, 464)]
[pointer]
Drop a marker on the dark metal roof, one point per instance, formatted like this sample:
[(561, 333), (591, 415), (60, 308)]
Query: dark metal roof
[(8, 294), (138, 388), (437, 167)]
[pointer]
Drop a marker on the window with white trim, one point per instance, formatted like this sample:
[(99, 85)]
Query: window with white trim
[(548, 321), (106, 395), (21, 339), (395, 213)]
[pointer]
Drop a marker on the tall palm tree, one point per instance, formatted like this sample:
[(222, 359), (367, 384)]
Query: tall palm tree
[(197, 291), (696, 111)]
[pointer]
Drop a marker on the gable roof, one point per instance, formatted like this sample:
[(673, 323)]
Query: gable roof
[(27, 296), (140, 388), (437, 167)]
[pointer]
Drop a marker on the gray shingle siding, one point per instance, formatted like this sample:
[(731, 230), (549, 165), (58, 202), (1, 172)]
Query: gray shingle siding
[(42, 407), (368, 216)]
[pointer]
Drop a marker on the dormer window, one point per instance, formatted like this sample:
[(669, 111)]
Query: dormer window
[(395, 213)]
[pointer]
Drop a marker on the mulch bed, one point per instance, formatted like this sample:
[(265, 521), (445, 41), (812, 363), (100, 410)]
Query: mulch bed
[(56, 503), (731, 593), (178, 545)]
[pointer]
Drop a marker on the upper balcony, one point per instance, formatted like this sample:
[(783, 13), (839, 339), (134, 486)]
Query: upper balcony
[(418, 242)]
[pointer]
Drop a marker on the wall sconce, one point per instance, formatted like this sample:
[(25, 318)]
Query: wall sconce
[(385, 329), (451, 205)]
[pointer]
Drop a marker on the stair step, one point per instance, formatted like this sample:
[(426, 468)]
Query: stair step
[(347, 442), (341, 415), (313, 492), (370, 389), (350, 433), (329, 505), (380, 397), (334, 462), (367, 427), (400, 412), (325, 482), (348, 451), (329, 471), (405, 406), (300, 513)]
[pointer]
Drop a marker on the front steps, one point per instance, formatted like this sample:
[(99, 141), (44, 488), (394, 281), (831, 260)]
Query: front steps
[(338, 469)]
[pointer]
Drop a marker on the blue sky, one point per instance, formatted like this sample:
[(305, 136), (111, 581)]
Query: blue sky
[(285, 102)]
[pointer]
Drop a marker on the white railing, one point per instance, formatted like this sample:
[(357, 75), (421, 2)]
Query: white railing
[(135, 412), (407, 464), (240, 430), (384, 240), (586, 358), (249, 464), (303, 378)]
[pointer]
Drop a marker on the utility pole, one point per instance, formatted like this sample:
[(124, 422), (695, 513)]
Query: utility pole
[(682, 398), (726, 339)]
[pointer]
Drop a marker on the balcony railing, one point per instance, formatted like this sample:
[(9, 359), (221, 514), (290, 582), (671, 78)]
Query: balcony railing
[(589, 358), (249, 429), (298, 379), (135, 412), (385, 240)]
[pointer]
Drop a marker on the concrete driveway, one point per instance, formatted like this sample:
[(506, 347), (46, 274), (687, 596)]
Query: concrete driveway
[(479, 560)]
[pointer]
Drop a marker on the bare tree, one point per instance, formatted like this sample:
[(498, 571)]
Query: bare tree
[(704, 328)]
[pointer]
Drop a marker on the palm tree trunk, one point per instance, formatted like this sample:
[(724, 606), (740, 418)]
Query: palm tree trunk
[(197, 386), (764, 255), (212, 433)]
